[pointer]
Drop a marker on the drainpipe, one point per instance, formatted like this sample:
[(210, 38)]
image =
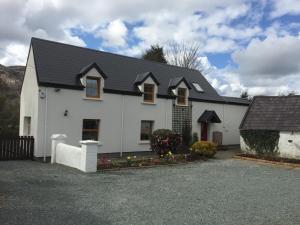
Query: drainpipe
[(122, 125), (166, 113), (45, 123)]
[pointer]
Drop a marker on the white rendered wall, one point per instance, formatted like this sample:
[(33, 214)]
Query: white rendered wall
[(288, 145), (109, 112), (230, 115), (29, 101)]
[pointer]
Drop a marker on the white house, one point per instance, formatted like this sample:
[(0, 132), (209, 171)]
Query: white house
[(117, 100), (281, 116)]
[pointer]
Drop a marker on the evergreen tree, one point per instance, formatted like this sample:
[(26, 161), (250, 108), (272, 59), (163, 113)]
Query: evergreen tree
[(155, 53)]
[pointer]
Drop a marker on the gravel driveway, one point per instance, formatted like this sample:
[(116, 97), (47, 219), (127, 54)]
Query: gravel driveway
[(221, 191)]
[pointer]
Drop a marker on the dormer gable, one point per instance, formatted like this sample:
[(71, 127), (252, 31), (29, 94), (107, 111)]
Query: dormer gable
[(147, 84), (86, 69), (92, 78), (179, 87)]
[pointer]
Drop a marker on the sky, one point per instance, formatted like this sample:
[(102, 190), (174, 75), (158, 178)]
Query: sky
[(249, 46)]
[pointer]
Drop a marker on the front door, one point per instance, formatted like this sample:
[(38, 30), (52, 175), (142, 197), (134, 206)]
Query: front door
[(204, 131)]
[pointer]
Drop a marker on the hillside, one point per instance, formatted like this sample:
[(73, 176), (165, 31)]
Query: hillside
[(10, 87), (11, 80)]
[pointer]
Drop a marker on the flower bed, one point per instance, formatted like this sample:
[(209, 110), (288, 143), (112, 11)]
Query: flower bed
[(136, 162)]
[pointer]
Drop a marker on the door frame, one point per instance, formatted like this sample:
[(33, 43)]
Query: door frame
[(204, 131)]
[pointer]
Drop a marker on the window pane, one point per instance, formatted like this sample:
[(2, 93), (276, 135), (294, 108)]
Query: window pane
[(148, 92), (198, 87), (146, 129), (148, 97), (90, 124), (90, 129), (92, 87), (90, 135), (181, 97)]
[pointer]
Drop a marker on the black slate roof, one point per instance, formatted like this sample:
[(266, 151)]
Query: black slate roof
[(233, 100), (58, 65), (280, 113)]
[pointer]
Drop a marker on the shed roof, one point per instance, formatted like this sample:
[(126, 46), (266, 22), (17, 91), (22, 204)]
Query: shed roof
[(280, 113)]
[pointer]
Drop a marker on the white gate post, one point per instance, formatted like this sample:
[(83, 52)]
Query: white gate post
[(89, 150), (56, 139)]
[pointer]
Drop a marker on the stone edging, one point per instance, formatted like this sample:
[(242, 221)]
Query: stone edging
[(293, 165), (151, 166)]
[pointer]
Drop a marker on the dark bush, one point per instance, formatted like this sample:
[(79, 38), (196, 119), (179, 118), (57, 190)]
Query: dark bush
[(164, 140), (186, 134)]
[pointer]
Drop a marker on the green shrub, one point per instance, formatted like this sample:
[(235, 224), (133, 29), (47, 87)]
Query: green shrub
[(163, 141), (204, 148), (263, 142), (195, 138)]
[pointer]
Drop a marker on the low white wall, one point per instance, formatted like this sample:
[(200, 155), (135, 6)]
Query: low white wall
[(68, 155), (84, 158), (288, 145)]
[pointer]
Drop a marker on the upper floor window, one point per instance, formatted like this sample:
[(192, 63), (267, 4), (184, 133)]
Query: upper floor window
[(149, 93), (93, 87), (181, 96)]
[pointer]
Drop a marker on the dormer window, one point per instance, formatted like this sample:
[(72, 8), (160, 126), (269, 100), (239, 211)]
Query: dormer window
[(92, 87), (181, 96), (149, 90)]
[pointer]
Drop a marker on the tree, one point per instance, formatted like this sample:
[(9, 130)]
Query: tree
[(244, 94), (289, 93), (185, 55), (155, 53)]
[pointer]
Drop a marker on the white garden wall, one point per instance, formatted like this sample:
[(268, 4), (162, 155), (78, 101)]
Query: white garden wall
[(83, 158)]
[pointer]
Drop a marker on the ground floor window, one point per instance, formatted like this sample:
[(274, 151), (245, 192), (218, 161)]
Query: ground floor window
[(27, 126), (146, 130), (90, 129)]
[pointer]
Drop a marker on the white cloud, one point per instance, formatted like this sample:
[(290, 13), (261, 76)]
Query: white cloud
[(218, 26), (272, 57), (285, 7), (114, 34), (13, 54), (160, 21)]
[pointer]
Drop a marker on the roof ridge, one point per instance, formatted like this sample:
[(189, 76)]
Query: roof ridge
[(276, 96), (119, 55)]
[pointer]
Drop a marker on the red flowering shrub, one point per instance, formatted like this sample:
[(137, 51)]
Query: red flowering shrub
[(163, 141)]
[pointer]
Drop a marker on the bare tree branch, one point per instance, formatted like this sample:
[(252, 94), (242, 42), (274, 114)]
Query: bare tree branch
[(185, 55)]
